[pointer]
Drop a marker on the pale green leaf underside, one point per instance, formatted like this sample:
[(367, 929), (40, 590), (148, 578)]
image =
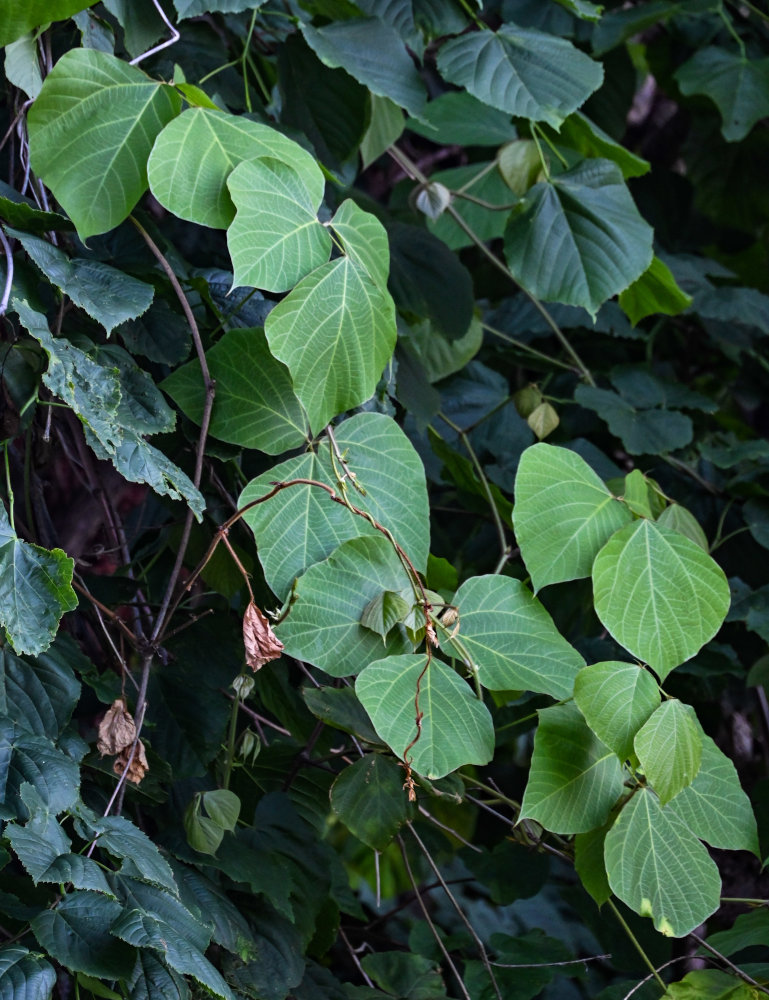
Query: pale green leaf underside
[(659, 868), (563, 514), (324, 627), (254, 406), (578, 239), (574, 779), (669, 747), (365, 240), (195, 154), (658, 594), (90, 133), (35, 590), (526, 73), (302, 525), (714, 806), (335, 332), (275, 238), (107, 294), (456, 727), (371, 52), (512, 639), (616, 699)]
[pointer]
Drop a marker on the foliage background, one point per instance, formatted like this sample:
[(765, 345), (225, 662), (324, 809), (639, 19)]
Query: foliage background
[(270, 850)]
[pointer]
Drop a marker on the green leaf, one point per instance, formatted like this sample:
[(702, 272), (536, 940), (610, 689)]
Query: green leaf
[(385, 128), (340, 708), (456, 728), (203, 835), (679, 519), (709, 984), (590, 865), (714, 806), (275, 238), (485, 184), (642, 431), (616, 699), (38, 697), (195, 154), (24, 976), (254, 406), (512, 640), (324, 627), (90, 134), (658, 594), (302, 525), (526, 73), (123, 839), (35, 590), (368, 797), (459, 118), (17, 211), (638, 494), (654, 292), (22, 68), (371, 52), (520, 165), (151, 979), (578, 132), (659, 868), (223, 806), (77, 934), (574, 779), (578, 238), (384, 611), (20, 16), (335, 332), (194, 8), (738, 86), (583, 9), (669, 747), (563, 514), (756, 514), (34, 760), (405, 975), (364, 239), (438, 356)]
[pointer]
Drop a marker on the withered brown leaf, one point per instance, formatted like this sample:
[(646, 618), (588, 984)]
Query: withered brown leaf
[(117, 729), (138, 766), (262, 645)]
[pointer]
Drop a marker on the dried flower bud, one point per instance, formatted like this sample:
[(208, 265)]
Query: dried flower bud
[(262, 645), (137, 767), (117, 729)]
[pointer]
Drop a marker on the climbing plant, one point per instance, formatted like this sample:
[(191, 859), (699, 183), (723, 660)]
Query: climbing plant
[(385, 499)]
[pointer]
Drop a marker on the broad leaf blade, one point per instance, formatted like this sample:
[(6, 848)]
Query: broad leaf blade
[(335, 333), (324, 627), (659, 868), (738, 86), (275, 238), (369, 799), (526, 73), (29, 977), (574, 779), (669, 747), (656, 291), (616, 699), (579, 238), (658, 594), (456, 728), (642, 431), (302, 525), (195, 154), (254, 406), (90, 133), (512, 639), (77, 934), (563, 514), (365, 240), (39, 697)]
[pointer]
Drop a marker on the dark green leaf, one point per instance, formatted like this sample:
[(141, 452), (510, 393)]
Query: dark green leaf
[(39, 697), (340, 708), (369, 798), (643, 432), (123, 839), (402, 974), (737, 85), (77, 934), (19, 16), (655, 291), (458, 117)]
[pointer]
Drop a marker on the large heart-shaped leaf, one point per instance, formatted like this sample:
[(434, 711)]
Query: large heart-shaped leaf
[(616, 699), (737, 85), (20, 16), (35, 590), (324, 624), (195, 154), (669, 747), (302, 525), (511, 639), (659, 868), (335, 333), (254, 406), (578, 238), (714, 806), (275, 238), (658, 594), (91, 130), (574, 779), (527, 73), (563, 514), (456, 728)]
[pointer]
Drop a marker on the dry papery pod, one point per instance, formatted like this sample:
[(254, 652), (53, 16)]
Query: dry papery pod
[(262, 645)]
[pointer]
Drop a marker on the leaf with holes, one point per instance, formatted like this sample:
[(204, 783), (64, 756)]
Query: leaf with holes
[(456, 728), (91, 130), (658, 594)]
